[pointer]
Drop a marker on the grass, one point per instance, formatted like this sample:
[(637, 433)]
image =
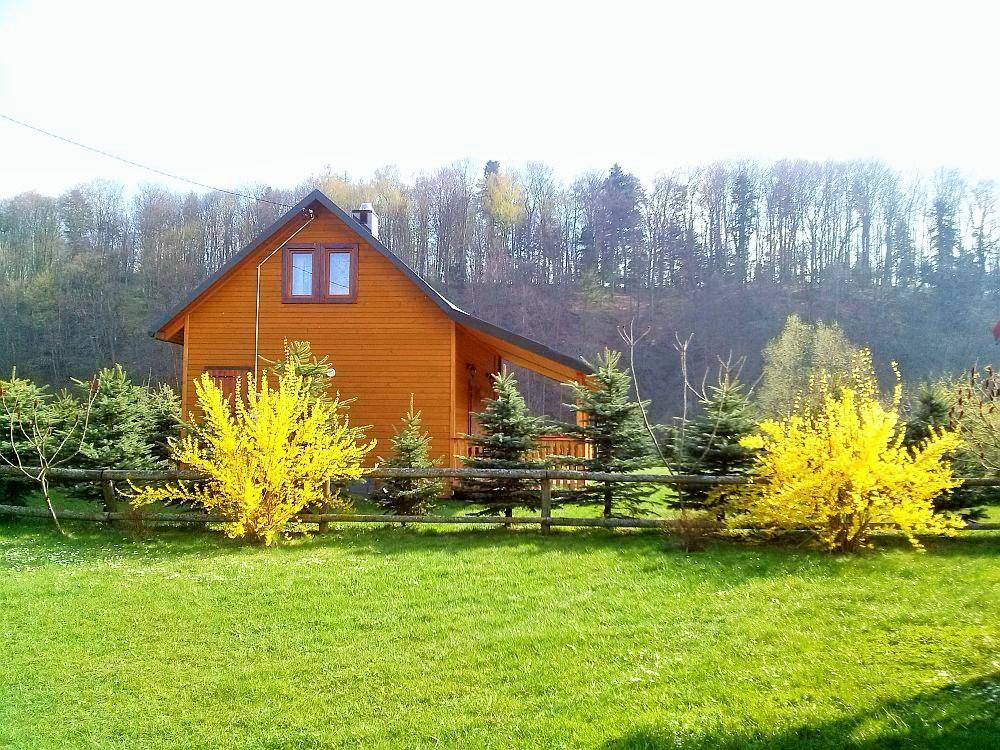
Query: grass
[(485, 638)]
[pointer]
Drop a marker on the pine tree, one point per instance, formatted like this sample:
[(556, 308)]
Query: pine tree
[(928, 413), (612, 424), (316, 372), (712, 440), (744, 201), (620, 233), (128, 423), (410, 450), (508, 438), (164, 409)]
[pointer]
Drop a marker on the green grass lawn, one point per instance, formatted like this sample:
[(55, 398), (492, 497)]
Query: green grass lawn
[(489, 638)]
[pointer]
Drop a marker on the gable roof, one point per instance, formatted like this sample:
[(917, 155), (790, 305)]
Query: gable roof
[(450, 309)]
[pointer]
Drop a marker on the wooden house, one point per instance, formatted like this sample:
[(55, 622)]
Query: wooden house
[(320, 274)]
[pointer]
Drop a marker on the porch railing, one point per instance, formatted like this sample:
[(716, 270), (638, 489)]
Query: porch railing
[(550, 446)]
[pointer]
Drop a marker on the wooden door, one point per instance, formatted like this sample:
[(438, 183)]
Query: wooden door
[(229, 379)]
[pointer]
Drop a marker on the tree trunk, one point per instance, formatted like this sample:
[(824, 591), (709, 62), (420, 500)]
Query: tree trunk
[(48, 501)]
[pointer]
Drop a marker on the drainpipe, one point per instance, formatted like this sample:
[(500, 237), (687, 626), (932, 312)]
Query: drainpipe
[(256, 315)]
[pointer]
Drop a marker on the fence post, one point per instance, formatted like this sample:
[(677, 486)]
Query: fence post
[(108, 491), (331, 488), (546, 504), (324, 526)]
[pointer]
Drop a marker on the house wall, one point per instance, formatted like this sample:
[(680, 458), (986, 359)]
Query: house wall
[(391, 342)]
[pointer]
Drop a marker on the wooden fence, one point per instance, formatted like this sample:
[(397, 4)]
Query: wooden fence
[(108, 478)]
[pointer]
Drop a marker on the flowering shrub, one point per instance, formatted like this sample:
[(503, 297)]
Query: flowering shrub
[(839, 468), (266, 458)]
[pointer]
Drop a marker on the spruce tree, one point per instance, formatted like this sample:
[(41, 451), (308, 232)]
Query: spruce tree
[(129, 423), (712, 440), (164, 409), (612, 424), (507, 440), (929, 412), (410, 450), (316, 372)]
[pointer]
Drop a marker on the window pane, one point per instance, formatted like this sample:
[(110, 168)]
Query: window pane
[(302, 274), (340, 274)]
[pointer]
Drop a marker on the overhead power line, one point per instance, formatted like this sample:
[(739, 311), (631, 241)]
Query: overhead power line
[(131, 163)]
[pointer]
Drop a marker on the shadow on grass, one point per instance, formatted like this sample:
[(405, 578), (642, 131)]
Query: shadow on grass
[(956, 717), (735, 559)]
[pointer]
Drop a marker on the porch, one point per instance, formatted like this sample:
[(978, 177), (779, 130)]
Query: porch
[(478, 357)]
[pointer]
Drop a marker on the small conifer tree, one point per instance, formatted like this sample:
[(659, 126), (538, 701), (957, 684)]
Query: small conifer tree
[(316, 372), (126, 429), (410, 450), (612, 423), (712, 440), (928, 414), (43, 431), (130, 424), (931, 412), (164, 409), (507, 440)]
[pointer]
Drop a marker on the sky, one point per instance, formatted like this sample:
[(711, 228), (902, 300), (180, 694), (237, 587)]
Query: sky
[(232, 94)]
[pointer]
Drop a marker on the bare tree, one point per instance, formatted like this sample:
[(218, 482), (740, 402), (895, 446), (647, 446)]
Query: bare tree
[(630, 338), (47, 438)]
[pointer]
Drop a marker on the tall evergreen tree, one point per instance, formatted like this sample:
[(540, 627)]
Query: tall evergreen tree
[(712, 439), (508, 439), (620, 233), (943, 218), (612, 424), (743, 199), (410, 450)]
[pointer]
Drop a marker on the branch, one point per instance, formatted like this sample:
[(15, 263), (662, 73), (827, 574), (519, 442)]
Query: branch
[(629, 337)]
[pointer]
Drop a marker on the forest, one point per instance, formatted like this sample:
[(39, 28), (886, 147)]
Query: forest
[(906, 264)]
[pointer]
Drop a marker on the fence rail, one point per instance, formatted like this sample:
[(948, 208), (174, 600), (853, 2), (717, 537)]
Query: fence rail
[(546, 477)]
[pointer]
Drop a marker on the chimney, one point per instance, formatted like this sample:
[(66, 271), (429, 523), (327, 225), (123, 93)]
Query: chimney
[(366, 217)]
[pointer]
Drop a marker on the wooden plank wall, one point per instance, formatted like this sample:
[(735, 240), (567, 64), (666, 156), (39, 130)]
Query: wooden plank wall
[(392, 342)]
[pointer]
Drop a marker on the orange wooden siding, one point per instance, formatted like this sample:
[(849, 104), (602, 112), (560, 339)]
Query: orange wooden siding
[(391, 342)]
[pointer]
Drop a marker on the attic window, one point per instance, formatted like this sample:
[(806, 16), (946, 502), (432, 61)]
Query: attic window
[(301, 284), (339, 266), (320, 273)]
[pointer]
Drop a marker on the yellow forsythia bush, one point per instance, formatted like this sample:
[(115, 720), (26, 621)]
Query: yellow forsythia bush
[(266, 459), (838, 467)]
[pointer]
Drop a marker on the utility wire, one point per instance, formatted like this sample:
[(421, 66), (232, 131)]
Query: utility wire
[(137, 164)]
